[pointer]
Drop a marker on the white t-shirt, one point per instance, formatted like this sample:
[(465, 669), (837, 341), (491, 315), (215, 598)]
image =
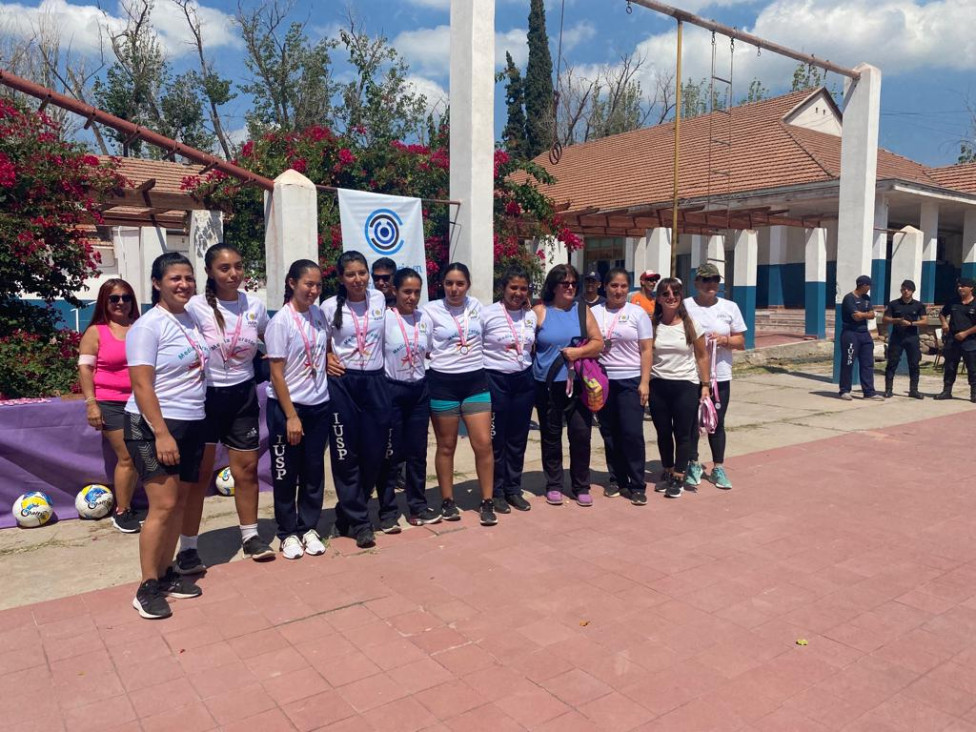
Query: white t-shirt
[(283, 339), (722, 318), (171, 344), (399, 364), (622, 329), (452, 325), (231, 351), (360, 321), (508, 346), (674, 358)]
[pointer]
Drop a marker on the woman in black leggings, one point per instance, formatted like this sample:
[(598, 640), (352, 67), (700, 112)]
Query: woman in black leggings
[(679, 381)]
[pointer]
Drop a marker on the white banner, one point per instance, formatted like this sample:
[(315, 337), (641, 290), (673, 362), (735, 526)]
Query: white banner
[(378, 226)]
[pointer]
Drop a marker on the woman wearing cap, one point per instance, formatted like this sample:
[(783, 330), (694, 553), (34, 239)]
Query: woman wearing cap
[(904, 314), (627, 337), (679, 381), (558, 328), (645, 298), (723, 324)]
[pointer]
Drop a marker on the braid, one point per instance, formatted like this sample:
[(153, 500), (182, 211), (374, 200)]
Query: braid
[(288, 293), (340, 301), (210, 292)]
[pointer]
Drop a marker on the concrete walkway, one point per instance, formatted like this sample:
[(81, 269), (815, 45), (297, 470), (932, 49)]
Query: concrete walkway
[(847, 530)]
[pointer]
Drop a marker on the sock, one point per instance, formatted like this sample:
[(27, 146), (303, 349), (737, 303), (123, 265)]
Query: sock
[(248, 530), (187, 542)]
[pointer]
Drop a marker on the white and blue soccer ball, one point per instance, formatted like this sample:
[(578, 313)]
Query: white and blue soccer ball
[(94, 501), (225, 482), (33, 509)]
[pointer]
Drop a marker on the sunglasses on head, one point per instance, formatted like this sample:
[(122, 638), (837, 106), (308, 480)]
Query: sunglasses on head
[(382, 278), (116, 299)]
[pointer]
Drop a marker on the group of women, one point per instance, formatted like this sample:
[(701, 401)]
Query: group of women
[(365, 374)]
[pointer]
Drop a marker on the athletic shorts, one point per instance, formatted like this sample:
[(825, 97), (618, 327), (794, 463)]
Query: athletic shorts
[(453, 395), (232, 416), (113, 415), (140, 441)]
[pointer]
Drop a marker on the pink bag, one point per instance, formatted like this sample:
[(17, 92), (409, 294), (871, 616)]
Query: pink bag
[(709, 406), (596, 384)]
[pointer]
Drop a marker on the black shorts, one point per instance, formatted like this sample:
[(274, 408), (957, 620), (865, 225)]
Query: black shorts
[(140, 441), (232, 416), (113, 415), (453, 395)]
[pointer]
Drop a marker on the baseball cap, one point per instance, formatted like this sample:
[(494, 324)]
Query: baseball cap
[(863, 280), (967, 282), (707, 270), (908, 285), (592, 275), (649, 274)]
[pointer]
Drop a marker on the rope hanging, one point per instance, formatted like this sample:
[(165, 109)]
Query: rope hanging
[(556, 148)]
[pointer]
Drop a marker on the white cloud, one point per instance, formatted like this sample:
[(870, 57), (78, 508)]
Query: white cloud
[(432, 4), (435, 94), (79, 26), (428, 50)]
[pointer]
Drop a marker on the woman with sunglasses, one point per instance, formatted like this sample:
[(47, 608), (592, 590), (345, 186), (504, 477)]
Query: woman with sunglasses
[(679, 382), (556, 349), (164, 425), (459, 390), (232, 322), (723, 323), (627, 336), (509, 342), (104, 375)]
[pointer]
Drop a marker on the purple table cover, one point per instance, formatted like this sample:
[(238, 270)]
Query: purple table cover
[(50, 447)]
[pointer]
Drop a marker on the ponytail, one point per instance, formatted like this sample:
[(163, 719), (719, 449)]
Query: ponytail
[(344, 259)]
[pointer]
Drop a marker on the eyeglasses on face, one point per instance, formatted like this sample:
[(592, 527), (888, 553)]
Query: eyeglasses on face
[(382, 277), (567, 284), (116, 299)]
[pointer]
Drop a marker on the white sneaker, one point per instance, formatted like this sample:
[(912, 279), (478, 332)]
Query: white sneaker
[(291, 547), (313, 544)]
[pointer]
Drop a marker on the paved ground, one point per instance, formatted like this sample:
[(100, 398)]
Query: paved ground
[(847, 529)]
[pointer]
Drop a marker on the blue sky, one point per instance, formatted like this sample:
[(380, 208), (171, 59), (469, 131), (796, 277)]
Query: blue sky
[(925, 49)]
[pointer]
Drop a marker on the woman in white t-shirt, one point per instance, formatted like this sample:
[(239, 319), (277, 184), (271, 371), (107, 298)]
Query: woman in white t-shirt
[(509, 341), (679, 382), (232, 322), (298, 410), (723, 323), (459, 389), (406, 343), (360, 400), (627, 337), (164, 425)]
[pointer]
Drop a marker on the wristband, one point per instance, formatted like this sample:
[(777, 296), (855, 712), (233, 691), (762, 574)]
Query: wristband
[(90, 400)]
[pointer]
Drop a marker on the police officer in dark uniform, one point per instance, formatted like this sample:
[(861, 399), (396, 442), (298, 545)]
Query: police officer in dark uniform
[(856, 341), (959, 326), (903, 315)]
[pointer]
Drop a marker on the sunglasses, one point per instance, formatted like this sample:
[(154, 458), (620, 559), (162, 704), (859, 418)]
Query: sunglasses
[(711, 280), (568, 283), (668, 296), (116, 299), (382, 278)]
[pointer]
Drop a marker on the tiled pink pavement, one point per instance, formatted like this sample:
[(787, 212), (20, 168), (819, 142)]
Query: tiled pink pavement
[(681, 615)]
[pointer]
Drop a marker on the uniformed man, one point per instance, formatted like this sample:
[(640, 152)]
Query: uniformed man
[(856, 341), (903, 315), (958, 319), (591, 289)]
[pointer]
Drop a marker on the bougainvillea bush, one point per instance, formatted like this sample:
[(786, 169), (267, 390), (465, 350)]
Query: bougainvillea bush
[(418, 170), (49, 196)]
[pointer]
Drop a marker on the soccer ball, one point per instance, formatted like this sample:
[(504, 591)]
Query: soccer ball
[(33, 509), (225, 482), (94, 501)]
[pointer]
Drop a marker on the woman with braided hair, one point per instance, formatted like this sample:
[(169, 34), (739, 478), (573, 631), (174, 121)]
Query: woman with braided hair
[(232, 322)]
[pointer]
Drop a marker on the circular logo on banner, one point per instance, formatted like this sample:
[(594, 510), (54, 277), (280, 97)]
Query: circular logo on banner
[(383, 231)]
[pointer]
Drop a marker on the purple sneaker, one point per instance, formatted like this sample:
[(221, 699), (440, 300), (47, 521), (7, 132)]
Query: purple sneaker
[(584, 499), (554, 498)]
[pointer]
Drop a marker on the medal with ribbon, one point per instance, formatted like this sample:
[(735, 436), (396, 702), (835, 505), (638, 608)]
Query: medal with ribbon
[(310, 346), (197, 348), (517, 338), (463, 346), (411, 353)]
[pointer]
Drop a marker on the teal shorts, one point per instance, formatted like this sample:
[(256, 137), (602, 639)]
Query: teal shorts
[(454, 395)]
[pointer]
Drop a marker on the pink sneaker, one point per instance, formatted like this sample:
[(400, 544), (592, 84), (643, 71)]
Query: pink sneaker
[(584, 499), (554, 498)]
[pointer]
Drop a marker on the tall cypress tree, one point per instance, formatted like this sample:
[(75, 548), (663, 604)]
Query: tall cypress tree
[(514, 132), (538, 83)]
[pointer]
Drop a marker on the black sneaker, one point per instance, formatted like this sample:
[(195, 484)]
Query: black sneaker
[(516, 501), (126, 521), (390, 525), (188, 562), (943, 395), (501, 505), (339, 528), (365, 538), (449, 510), (427, 516), (673, 489), (488, 517), (611, 489), (638, 498), (257, 549), (663, 482), (149, 601), (176, 585)]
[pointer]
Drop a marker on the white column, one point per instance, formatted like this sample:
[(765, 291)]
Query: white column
[(906, 259), (778, 242), (552, 252), (928, 220), (152, 243), (472, 145), (879, 248), (291, 229), (746, 265), (715, 252), (969, 243), (127, 243), (631, 244), (815, 285), (697, 254), (206, 229), (657, 254)]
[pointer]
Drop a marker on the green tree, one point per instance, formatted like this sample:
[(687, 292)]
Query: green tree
[(756, 93), (513, 135), (806, 76), (538, 83), (694, 98)]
